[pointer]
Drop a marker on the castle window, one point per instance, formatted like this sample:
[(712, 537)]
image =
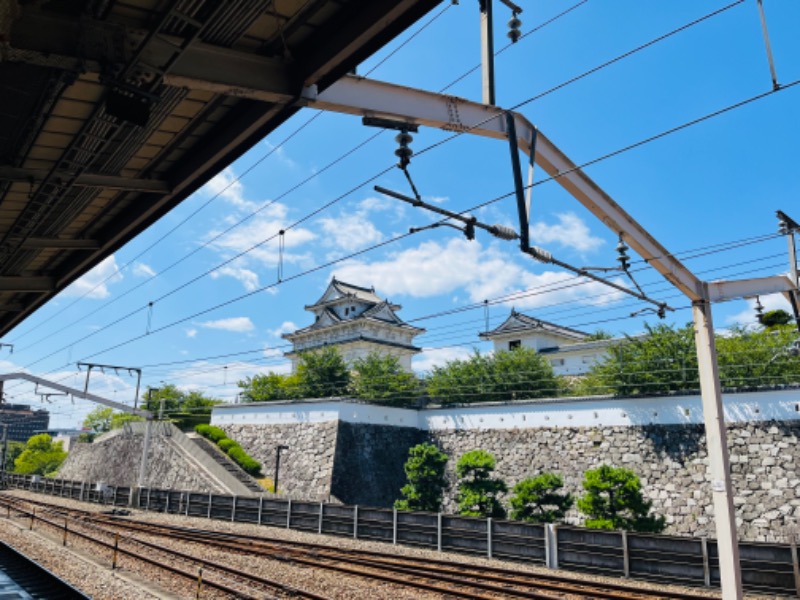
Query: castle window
[(557, 362), (346, 311), (514, 344)]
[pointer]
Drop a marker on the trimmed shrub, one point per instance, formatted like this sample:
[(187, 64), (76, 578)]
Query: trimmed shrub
[(226, 445), (249, 465), (215, 434)]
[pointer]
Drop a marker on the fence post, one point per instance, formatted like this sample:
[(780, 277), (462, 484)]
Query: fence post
[(148, 498), (489, 537), (626, 562), (289, 513), (355, 522), (233, 509), (83, 484), (795, 567), (260, 509), (706, 565), (439, 532), (188, 500), (166, 505), (210, 502), (321, 509), (551, 545), (394, 526)]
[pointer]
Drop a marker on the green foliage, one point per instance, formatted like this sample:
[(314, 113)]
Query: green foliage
[(215, 434), (99, 420), (188, 421), (775, 318), (665, 360), (540, 499), (271, 387), (600, 334), (230, 447), (516, 374), (13, 452), (323, 373), (614, 500), (381, 378), (41, 456), (425, 479), (226, 444), (176, 400), (478, 491), (118, 419), (248, 463)]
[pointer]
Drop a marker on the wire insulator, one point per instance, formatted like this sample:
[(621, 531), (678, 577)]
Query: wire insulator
[(514, 25), (504, 232)]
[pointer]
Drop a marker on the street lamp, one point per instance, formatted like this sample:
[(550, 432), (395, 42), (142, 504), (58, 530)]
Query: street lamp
[(278, 450)]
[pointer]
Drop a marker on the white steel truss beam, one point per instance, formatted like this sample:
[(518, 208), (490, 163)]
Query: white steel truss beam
[(75, 392), (366, 97)]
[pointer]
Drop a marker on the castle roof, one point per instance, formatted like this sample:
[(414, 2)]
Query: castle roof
[(340, 290), (521, 323)]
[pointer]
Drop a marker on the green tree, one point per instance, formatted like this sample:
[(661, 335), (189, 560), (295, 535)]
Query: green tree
[(614, 500), (478, 491), (381, 378), (516, 374), (426, 479), (775, 318), (323, 373), (41, 456), (540, 499), (13, 452), (118, 419), (177, 401), (99, 420), (270, 388)]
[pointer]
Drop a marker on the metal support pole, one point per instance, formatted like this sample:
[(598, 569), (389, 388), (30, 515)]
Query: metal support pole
[(531, 169), (321, 509), (706, 563), (233, 509), (355, 522), (260, 509), (188, 501), (516, 170), (489, 543), (718, 459), (773, 74), (626, 560), (487, 51), (439, 532), (289, 513), (210, 502), (394, 526)]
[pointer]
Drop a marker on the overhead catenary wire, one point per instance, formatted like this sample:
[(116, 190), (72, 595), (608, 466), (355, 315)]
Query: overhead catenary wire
[(650, 139)]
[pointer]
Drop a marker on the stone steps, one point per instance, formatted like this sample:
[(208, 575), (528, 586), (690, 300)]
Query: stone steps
[(226, 463)]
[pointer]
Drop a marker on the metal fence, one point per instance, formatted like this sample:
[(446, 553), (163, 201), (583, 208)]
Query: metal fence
[(771, 568)]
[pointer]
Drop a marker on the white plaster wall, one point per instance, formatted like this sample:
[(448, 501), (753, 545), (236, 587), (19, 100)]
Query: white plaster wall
[(596, 412)]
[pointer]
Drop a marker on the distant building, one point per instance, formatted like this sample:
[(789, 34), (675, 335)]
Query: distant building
[(357, 322), (22, 421), (570, 352)]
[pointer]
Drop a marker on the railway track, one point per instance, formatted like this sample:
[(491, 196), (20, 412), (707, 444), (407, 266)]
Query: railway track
[(449, 578)]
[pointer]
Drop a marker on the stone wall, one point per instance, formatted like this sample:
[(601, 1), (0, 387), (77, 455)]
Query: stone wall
[(306, 469), (116, 460), (368, 466)]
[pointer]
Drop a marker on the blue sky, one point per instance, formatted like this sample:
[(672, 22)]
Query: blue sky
[(698, 191)]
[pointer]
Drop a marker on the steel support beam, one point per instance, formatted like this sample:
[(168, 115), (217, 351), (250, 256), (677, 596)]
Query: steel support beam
[(12, 283), (77, 393), (366, 97), (717, 446), (722, 291), (112, 182)]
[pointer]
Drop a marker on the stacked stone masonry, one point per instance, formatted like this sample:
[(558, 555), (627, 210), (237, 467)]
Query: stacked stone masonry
[(362, 464)]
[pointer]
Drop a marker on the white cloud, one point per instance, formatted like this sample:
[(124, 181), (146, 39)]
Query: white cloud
[(234, 324), (190, 333), (425, 361), (248, 278), (350, 232), (141, 269), (285, 327), (94, 284), (570, 232), (227, 186), (431, 269), (747, 317), (280, 154)]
